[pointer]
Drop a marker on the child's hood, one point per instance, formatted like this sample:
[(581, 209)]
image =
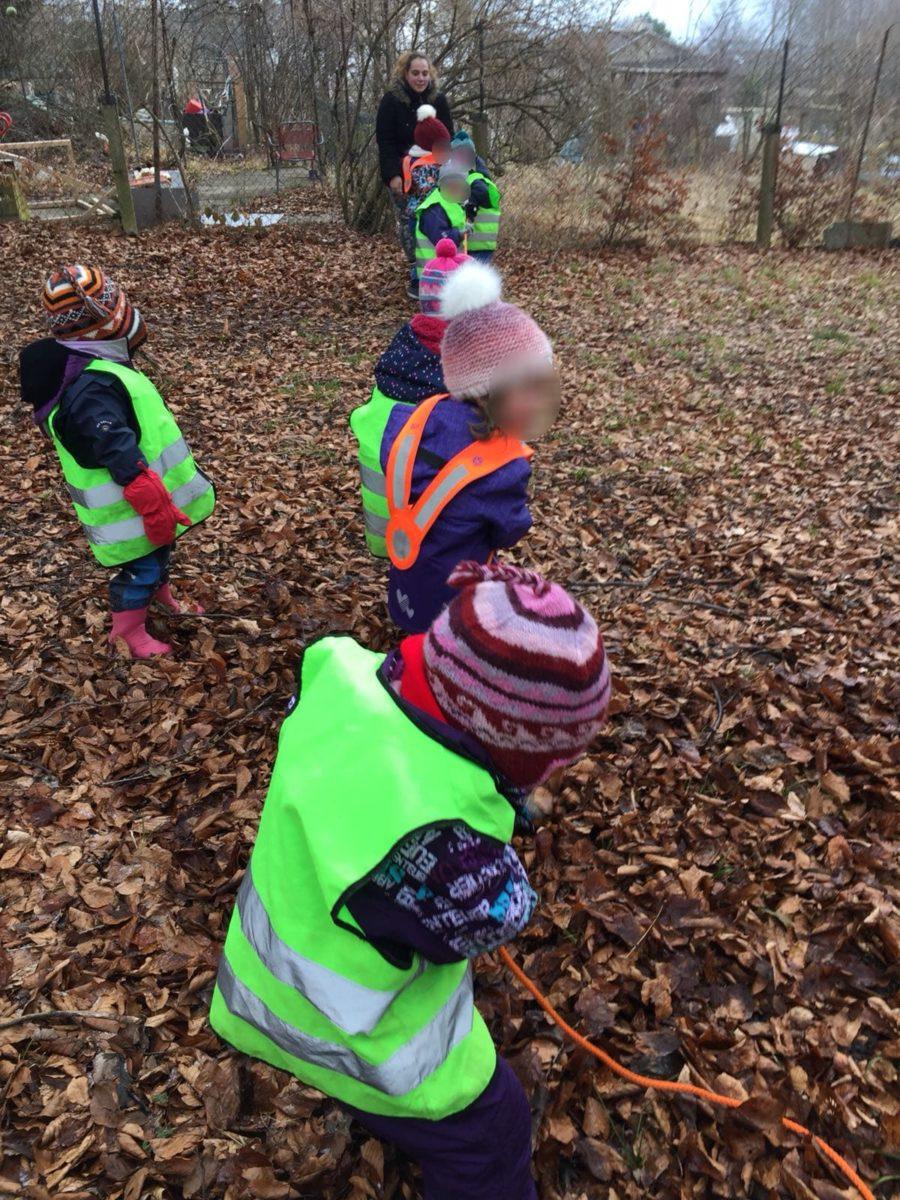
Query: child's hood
[(46, 368)]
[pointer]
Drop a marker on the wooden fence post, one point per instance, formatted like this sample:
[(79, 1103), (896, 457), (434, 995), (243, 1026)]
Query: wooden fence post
[(771, 151), (110, 113)]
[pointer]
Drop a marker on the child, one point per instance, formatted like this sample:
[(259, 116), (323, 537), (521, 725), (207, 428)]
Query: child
[(420, 175), (457, 482), (426, 157), (441, 214), (483, 206), (408, 372), (463, 141), (129, 473), (383, 865)]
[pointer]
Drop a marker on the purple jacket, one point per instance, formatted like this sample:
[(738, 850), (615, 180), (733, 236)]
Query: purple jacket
[(490, 514)]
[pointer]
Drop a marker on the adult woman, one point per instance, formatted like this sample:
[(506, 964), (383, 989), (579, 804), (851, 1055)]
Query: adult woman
[(414, 83)]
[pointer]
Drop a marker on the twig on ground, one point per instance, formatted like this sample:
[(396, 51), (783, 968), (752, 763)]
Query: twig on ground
[(64, 1014), (711, 731), (646, 932), (187, 755)]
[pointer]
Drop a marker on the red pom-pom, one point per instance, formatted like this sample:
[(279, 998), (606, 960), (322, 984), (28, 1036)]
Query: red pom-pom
[(446, 248)]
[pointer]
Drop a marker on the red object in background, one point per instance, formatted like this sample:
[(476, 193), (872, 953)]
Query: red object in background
[(5, 123), (194, 106), (297, 141)]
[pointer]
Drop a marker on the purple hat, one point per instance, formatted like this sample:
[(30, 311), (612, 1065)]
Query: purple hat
[(518, 664)]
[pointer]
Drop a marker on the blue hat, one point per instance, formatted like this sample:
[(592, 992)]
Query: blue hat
[(461, 138)]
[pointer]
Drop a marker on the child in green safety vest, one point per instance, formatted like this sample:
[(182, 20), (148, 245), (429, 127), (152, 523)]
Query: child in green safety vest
[(378, 876), (441, 214), (483, 206), (407, 373), (130, 475)]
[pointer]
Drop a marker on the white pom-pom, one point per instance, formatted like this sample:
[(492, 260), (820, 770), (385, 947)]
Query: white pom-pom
[(471, 286), (424, 111)]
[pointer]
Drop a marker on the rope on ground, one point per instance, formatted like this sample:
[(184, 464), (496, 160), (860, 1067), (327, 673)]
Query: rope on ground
[(670, 1085)]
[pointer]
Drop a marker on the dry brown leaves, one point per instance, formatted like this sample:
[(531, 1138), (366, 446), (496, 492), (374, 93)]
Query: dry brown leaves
[(718, 882)]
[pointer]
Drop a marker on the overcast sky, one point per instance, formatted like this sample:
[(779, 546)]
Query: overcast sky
[(681, 16)]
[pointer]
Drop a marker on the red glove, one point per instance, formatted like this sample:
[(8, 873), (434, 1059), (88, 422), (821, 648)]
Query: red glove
[(148, 496)]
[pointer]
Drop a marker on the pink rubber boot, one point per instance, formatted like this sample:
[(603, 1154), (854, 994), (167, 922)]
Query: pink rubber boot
[(165, 597), (131, 627)]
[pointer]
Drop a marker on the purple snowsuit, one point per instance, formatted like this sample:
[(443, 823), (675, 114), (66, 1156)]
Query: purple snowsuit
[(490, 514)]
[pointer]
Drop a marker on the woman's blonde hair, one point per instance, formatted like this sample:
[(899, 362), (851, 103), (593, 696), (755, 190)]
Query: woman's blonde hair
[(405, 61)]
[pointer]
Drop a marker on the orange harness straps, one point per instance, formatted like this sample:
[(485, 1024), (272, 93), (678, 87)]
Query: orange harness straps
[(408, 163), (408, 524)]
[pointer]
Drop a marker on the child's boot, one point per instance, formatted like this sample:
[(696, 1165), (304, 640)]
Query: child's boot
[(131, 627), (165, 597)]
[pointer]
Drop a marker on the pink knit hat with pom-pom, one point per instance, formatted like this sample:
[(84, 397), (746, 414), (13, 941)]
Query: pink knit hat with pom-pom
[(517, 663), (488, 342), (447, 258)]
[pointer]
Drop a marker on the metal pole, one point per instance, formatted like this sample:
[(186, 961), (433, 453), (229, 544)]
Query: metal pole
[(154, 58), (854, 183), (118, 35)]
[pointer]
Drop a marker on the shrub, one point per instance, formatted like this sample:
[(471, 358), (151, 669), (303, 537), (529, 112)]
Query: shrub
[(641, 199)]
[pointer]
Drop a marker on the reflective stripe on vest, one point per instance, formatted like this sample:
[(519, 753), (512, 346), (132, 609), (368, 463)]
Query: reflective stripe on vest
[(406, 1068), (133, 527), (485, 229), (373, 480), (111, 493), (408, 524), (349, 1005)]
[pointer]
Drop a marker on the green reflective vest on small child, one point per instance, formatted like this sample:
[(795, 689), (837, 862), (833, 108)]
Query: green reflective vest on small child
[(456, 215), (112, 527), (368, 423), (486, 225), (298, 985)]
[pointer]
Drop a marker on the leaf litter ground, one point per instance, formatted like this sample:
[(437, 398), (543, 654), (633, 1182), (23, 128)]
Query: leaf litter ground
[(718, 878)]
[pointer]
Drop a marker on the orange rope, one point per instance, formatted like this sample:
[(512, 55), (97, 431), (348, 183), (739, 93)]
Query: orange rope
[(669, 1085)]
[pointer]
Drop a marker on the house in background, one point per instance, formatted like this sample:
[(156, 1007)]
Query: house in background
[(650, 72)]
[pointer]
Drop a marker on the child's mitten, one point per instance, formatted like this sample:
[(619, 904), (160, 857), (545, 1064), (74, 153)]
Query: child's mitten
[(148, 496)]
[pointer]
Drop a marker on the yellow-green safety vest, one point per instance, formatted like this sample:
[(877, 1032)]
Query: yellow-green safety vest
[(368, 423), (456, 215), (112, 527), (298, 985), (486, 223)]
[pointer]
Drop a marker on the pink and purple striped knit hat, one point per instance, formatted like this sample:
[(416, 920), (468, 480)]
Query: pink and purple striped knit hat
[(517, 663)]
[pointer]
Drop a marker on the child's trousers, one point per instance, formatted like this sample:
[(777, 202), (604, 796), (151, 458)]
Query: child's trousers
[(481, 1153), (137, 582)]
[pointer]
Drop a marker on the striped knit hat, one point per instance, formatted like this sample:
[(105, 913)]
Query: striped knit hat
[(447, 257), (84, 303), (518, 664)]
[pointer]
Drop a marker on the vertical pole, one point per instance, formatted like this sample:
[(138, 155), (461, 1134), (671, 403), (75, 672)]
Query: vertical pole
[(854, 182), (121, 48), (109, 110), (480, 130), (771, 150), (154, 102)]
